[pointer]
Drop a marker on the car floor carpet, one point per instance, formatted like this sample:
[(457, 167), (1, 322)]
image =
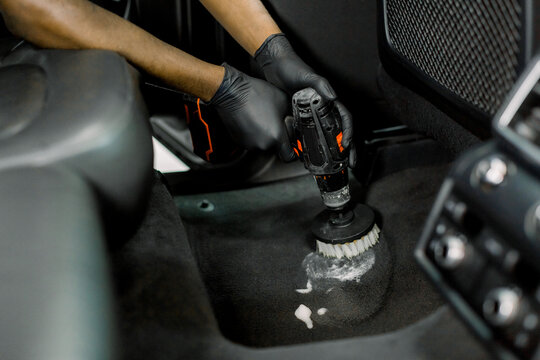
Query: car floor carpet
[(162, 306), (255, 254)]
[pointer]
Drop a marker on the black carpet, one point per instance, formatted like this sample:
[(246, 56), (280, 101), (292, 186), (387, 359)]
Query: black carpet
[(403, 201), (163, 306), (251, 246)]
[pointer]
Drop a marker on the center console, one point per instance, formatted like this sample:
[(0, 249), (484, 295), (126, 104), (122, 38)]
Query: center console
[(481, 244)]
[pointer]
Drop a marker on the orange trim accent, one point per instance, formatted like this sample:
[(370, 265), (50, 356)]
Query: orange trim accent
[(296, 151), (299, 145), (339, 138), (211, 150), (188, 118)]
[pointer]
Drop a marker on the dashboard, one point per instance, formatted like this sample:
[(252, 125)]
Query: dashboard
[(481, 244)]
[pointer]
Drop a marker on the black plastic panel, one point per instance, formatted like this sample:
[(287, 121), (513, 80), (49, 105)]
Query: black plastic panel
[(163, 19), (339, 40), (493, 252), (518, 121), (481, 244)]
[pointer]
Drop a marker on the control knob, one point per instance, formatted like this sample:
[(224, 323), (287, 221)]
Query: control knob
[(450, 251), (501, 306)]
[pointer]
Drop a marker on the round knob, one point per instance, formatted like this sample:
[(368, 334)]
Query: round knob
[(501, 306), (536, 217), (491, 172), (532, 222), (450, 251)]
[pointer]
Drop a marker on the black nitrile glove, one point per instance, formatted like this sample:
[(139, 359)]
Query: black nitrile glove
[(253, 111), (347, 129), (283, 68)]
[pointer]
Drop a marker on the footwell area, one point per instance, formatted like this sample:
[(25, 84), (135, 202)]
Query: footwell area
[(254, 251)]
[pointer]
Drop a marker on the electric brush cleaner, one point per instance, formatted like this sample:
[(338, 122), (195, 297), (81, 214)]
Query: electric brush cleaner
[(343, 229)]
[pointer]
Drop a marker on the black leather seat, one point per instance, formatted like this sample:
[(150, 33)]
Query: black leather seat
[(75, 165), (55, 301), (81, 110)]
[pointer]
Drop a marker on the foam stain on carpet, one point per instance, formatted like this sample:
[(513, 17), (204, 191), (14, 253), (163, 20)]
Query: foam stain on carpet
[(320, 267), (303, 313), (322, 273), (250, 251)]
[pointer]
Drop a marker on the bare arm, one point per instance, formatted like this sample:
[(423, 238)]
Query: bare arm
[(79, 24), (247, 21)]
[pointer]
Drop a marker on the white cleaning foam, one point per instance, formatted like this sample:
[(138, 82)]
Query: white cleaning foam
[(303, 313), (307, 290), (322, 311), (320, 268)]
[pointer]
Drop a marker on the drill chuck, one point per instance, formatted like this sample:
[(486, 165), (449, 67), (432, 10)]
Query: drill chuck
[(318, 130)]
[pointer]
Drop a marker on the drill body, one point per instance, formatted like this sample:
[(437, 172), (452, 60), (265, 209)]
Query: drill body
[(344, 229), (318, 132)]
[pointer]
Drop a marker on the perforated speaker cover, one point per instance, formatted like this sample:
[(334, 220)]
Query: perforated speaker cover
[(470, 48)]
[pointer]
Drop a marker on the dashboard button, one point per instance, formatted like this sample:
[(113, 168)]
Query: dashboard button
[(501, 306), (450, 251), (491, 173), (532, 222)]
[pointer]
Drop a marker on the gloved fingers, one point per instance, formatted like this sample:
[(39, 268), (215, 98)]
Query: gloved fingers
[(285, 150), (322, 86), (346, 124), (352, 156)]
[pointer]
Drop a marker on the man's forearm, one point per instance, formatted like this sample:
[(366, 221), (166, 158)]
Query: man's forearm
[(248, 21), (79, 24)]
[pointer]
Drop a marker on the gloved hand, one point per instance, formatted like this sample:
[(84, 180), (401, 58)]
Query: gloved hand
[(283, 68), (347, 129), (253, 111)]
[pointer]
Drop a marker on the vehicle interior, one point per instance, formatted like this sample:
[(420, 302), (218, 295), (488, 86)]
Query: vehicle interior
[(105, 255)]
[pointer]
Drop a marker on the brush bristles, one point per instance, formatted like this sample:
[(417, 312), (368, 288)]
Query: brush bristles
[(350, 249)]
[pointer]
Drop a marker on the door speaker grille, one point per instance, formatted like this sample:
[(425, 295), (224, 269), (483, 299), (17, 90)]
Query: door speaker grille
[(470, 47)]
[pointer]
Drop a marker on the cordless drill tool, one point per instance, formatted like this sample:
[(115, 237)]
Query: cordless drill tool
[(343, 229)]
